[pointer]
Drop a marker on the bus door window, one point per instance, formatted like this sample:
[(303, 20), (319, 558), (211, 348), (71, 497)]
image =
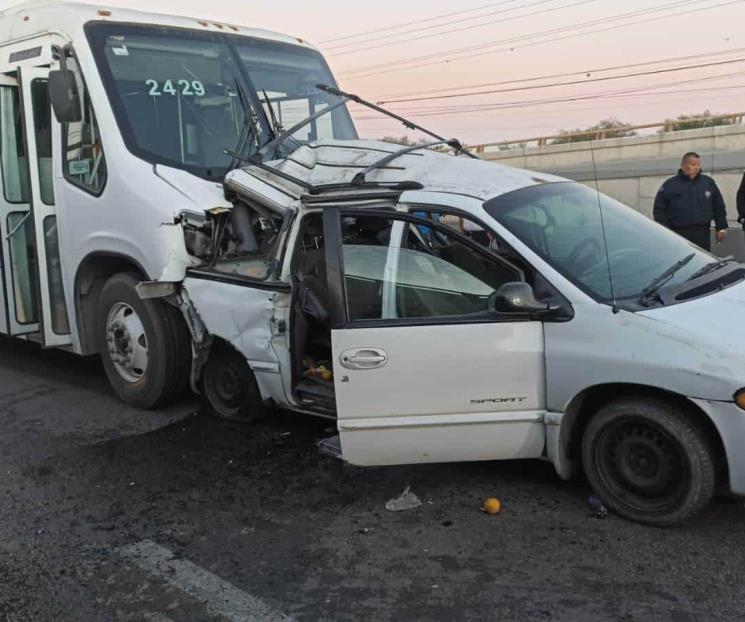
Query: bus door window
[(42, 116), (18, 229)]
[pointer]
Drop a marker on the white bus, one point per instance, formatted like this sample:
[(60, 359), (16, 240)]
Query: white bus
[(96, 192), (190, 200)]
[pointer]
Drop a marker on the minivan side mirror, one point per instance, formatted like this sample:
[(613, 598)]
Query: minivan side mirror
[(63, 93), (517, 297)]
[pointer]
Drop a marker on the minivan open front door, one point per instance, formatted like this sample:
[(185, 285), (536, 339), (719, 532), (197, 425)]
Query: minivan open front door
[(19, 313), (38, 125), (423, 372)]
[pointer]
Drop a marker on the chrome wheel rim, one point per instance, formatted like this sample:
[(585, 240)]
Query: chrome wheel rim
[(127, 342)]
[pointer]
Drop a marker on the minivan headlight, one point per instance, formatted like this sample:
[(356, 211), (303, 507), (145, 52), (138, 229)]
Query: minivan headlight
[(740, 398)]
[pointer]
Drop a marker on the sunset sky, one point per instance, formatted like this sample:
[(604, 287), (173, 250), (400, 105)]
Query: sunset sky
[(526, 39)]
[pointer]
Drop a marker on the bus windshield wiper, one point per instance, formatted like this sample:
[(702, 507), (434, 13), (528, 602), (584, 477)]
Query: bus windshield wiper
[(287, 134), (650, 290), (248, 133), (408, 124), (345, 98), (277, 128), (711, 267)]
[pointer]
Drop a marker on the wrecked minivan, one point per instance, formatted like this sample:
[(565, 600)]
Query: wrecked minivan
[(190, 200)]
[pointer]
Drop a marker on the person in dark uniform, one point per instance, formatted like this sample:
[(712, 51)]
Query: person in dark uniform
[(688, 202)]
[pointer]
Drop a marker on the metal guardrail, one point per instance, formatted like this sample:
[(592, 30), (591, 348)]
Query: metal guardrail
[(670, 125)]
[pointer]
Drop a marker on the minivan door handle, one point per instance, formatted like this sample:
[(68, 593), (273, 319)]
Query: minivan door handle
[(364, 358)]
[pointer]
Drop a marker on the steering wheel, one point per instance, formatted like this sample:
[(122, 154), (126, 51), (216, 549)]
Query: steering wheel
[(581, 254)]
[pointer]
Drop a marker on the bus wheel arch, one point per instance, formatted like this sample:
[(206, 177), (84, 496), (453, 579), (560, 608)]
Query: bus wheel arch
[(92, 274), (144, 344)]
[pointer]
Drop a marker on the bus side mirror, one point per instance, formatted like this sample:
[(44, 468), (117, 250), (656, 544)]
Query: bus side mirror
[(63, 93)]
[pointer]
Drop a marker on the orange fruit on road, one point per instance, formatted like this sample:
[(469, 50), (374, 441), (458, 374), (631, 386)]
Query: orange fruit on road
[(492, 506)]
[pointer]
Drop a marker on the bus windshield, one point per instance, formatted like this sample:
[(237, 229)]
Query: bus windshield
[(177, 93)]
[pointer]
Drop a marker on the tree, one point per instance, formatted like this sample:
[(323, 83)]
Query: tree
[(404, 140), (511, 146), (695, 122), (607, 128)]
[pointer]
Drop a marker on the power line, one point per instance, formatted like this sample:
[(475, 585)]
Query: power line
[(619, 97), (571, 110), (391, 67), (527, 36), (637, 74), (519, 105), (419, 28), (470, 26), (586, 72), (421, 21), (639, 91), (563, 111)]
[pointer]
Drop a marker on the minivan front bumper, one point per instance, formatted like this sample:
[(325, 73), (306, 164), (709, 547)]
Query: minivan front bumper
[(729, 420)]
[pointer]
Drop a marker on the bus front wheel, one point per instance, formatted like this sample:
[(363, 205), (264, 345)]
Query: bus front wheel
[(144, 344)]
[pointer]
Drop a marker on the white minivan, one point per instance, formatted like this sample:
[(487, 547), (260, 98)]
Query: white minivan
[(190, 201)]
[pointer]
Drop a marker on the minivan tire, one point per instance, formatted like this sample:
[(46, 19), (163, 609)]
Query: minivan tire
[(229, 387), (649, 460), (144, 344)]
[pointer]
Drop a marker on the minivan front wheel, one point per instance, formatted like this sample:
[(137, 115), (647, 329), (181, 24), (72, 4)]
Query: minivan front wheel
[(649, 461), (229, 387)]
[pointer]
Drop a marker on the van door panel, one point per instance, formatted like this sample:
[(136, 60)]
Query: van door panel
[(437, 370), (446, 393), (417, 377)]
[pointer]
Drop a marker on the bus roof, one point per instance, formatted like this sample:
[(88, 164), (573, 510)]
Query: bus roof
[(38, 16)]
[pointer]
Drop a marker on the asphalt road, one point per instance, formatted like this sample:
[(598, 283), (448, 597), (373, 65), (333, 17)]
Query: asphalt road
[(111, 514)]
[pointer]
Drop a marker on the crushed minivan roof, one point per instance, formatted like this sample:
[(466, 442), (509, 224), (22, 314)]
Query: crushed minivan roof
[(337, 162)]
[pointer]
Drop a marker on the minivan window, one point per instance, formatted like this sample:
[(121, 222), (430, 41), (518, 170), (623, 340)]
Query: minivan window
[(398, 273), (569, 224), (178, 94)]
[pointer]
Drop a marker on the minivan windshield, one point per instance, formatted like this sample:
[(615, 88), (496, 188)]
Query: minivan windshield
[(563, 224), (177, 93)]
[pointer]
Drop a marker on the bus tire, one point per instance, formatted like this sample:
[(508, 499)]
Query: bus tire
[(649, 461), (229, 387), (144, 344)]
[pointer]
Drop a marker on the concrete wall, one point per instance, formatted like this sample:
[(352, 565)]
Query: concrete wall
[(633, 169)]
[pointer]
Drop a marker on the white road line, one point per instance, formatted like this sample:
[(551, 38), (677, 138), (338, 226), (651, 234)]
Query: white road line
[(220, 597)]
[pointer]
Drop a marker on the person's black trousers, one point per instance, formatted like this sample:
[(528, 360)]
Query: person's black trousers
[(698, 234)]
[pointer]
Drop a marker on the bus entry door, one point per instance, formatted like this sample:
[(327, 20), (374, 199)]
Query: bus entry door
[(38, 124), (19, 312)]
